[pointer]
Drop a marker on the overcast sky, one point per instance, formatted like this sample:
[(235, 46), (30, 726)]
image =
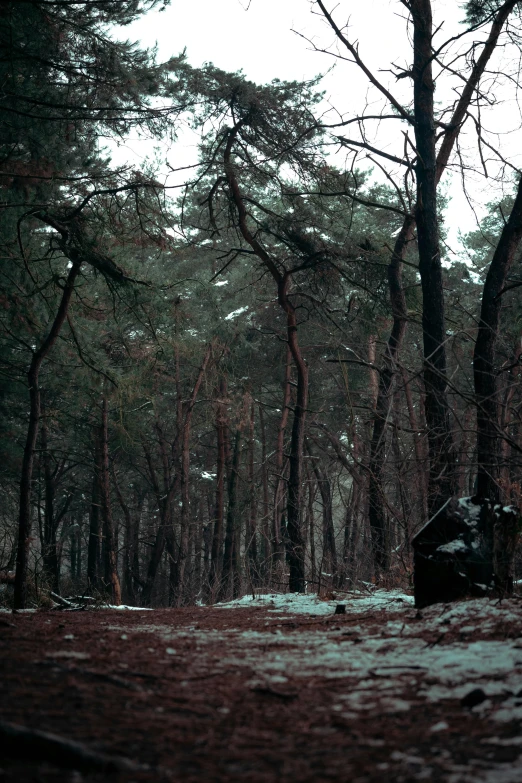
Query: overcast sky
[(264, 38)]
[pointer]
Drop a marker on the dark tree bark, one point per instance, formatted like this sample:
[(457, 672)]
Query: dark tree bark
[(221, 425), (231, 579), (109, 529), (128, 582), (278, 549), (251, 530), (295, 544), (33, 376), (266, 550), (397, 298), (76, 550), (377, 514), (164, 495), (329, 549), (95, 524), (506, 448), (484, 369), (50, 557), (310, 521), (442, 475), (185, 522), (52, 517)]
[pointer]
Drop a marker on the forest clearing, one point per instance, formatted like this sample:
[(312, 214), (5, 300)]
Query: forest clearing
[(273, 688)]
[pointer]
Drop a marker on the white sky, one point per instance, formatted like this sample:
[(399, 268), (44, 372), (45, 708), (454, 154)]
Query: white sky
[(261, 37)]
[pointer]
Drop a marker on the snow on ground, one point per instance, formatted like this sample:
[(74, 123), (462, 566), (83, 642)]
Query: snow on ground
[(389, 665), (124, 607), (380, 655), (295, 603)]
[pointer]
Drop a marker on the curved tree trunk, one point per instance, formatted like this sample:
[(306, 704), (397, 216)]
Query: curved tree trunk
[(295, 550), (24, 519), (295, 547), (484, 370), (384, 397)]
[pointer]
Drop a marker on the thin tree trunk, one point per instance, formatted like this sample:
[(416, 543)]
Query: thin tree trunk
[(377, 513), (111, 542), (279, 490), (50, 548), (129, 595), (311, 523), (231, 579), (24, 519), (251, 530), (295, 549), (185, 485), (329, 549), (164, 495), (417, 445), (216, 563), (265, 529), (95, 527)]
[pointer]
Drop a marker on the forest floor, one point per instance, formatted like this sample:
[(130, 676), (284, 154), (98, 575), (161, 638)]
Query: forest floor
[(273, 689)]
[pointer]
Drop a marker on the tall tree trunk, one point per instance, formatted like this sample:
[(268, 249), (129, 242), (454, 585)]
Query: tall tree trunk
[(295, 543), (377, 513), (278, 550), (95, 522), (216, 563), (484, 370), (417, 446), (295, 548), (310, 522), (75, 543), (185, 521), (50, 548), (251, 528), (129, 595), (231, 579), (506, 448), (164, 495), (442, 476), (111, 542), (329, 558), (397, 298), (33, 375), (265, 529)]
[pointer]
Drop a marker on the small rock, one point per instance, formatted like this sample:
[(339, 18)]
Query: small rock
[(474, 697), (340, 609)]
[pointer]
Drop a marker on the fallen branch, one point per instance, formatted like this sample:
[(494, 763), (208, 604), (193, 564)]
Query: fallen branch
[(62, 601)]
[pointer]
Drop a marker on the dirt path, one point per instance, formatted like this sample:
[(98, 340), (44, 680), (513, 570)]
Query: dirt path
[(269, 692)]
